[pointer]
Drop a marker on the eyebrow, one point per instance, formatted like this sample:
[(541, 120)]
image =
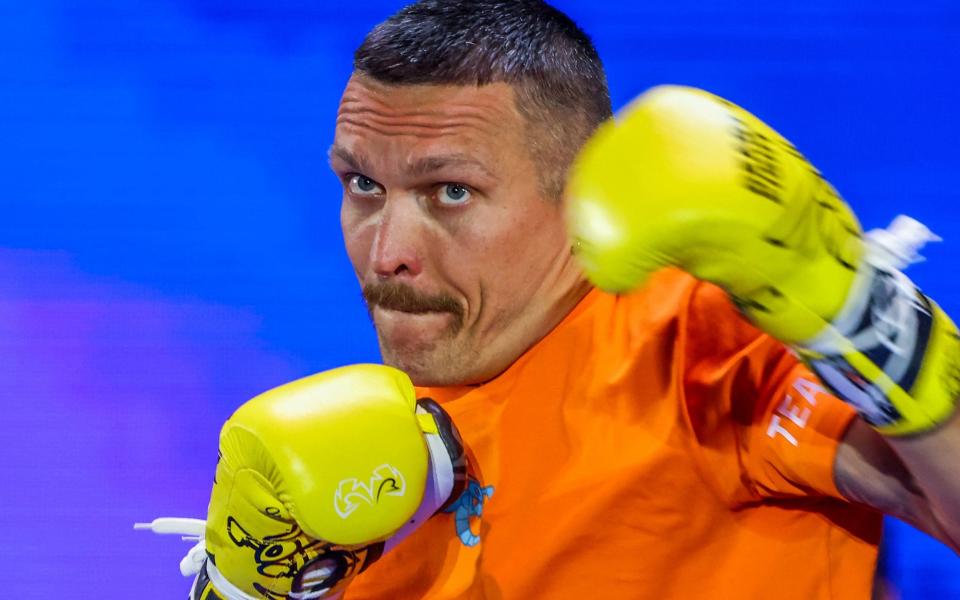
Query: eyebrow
[(430, 164), (419, 168), (356, 163)]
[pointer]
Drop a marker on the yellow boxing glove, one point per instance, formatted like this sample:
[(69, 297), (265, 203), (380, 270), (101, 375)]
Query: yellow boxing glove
[(316, 479), (688, 179)]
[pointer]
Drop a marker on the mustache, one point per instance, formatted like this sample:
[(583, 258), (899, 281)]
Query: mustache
[(397, 296)]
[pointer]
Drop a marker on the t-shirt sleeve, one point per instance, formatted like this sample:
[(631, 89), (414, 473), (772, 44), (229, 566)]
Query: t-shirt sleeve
[(764, 426)]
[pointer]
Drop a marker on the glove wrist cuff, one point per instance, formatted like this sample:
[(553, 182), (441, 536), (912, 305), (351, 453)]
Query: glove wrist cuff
[(890, 352), (447, 474), (225, 589)]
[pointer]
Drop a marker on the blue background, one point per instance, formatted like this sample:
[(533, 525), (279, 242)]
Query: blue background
[(170, 246)]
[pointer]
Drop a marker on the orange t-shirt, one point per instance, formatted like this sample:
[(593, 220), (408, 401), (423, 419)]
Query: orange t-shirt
[(653, 445)]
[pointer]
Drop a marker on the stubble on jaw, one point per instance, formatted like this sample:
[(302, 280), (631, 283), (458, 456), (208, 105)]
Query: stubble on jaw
[(427, 362)]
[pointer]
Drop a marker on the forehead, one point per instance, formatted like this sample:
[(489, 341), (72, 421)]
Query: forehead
[(479, 120)]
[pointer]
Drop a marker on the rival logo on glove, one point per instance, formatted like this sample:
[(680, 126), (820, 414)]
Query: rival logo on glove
[(386, 480)]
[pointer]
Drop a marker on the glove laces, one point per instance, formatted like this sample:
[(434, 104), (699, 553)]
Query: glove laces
[(189, 530), (898, 246)]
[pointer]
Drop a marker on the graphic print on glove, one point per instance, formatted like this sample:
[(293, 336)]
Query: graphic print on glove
[(314, 567)]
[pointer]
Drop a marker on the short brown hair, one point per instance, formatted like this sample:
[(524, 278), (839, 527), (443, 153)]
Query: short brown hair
[(559, 83)]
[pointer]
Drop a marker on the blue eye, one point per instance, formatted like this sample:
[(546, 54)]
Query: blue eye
[(364, 186), (453, 193)]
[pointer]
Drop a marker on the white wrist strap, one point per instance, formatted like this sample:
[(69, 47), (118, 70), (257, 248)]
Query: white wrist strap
[(440, 482), (224, 587)]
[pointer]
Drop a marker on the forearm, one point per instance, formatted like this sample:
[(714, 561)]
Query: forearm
[(732, 202), (909, 396), (933, 459), (913, 409)]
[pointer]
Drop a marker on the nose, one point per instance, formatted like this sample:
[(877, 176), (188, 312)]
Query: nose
[(397, 243)]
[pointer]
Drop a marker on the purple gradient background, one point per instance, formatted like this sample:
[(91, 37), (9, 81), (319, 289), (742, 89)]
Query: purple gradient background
[(169, 238)]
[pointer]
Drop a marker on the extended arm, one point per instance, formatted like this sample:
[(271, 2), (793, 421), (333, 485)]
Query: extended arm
[(688, 179), (914, 479)]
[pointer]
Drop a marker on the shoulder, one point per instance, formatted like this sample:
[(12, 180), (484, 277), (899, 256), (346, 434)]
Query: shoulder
[(662, 302), (697, 312)]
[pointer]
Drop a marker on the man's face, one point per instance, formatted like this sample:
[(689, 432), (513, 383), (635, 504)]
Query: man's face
[(459, 256)]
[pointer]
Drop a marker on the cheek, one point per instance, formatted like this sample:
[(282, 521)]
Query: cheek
[(537, 234), (521, 255), (356, 237)]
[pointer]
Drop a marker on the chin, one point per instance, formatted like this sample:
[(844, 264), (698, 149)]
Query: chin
[(420, 374), (424, 368), (414, 362)]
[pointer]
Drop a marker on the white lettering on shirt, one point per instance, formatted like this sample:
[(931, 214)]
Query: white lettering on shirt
[(795, 409)]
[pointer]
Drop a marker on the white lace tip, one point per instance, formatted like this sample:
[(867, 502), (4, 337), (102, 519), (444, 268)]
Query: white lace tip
[(165, 525)]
